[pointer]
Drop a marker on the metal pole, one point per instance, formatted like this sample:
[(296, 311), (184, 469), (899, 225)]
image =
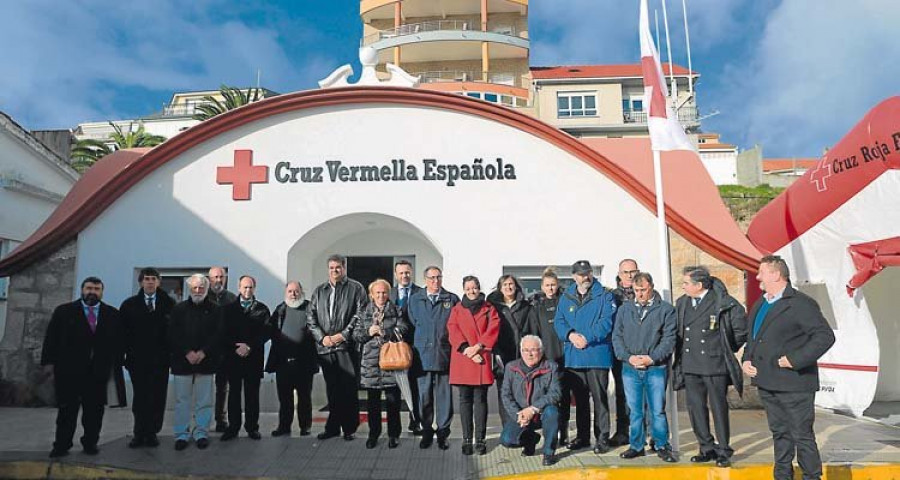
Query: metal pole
[(674, 89), (665, 285), (687, 38)]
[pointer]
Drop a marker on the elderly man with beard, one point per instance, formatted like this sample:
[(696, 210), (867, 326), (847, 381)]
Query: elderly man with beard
[(332, 309), (82, 344), (245, 339), (145, 319), (584, 322), (195, 339), (218, 295), (292, 359)]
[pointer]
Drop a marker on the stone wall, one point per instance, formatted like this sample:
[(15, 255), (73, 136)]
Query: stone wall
[(33, 294)]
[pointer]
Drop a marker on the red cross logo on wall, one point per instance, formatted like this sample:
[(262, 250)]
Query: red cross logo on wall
[(242, 175), (820, 174)]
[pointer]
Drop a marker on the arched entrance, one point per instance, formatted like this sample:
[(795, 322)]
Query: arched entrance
[(371, 241)]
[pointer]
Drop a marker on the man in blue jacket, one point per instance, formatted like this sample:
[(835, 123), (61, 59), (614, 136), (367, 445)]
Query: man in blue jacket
[(429, 310), (584, 322)]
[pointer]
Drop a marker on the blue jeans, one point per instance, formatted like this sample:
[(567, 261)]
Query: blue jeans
[(201, 388), (549, 421), (646, 386)]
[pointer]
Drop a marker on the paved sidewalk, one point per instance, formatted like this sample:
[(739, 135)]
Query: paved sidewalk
[(27, 435)]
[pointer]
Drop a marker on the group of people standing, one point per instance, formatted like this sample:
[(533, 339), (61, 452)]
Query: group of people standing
[(541, 353)]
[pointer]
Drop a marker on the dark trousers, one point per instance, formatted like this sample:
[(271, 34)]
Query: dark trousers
[(289, 379), (248, 384), (705, 393), (221, 396), (373, 409), (515, 435), (593, 381), (149, 403), (473, 411), (91, 404), (435, 400), (504, 415), (622, 419), (791, 416), (565, 411), (340, 386), (414, 411)]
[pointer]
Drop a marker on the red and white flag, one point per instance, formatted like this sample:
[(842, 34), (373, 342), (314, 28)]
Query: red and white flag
[(665, 131)]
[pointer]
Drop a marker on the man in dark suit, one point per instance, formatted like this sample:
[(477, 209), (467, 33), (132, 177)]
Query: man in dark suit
[(245, 339), (292, 359), (82, 345), (711, 328), (145, 320), (788, 336), (221, 296), (400, 294)]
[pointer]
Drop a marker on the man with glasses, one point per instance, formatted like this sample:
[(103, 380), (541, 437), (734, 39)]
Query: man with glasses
[(429, 310), (584, 321), (400, 294), (624, 292)]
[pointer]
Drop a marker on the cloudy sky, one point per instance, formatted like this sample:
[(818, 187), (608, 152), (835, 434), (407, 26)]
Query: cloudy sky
[(790, 75)]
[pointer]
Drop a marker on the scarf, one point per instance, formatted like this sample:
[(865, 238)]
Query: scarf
[(473, 305)]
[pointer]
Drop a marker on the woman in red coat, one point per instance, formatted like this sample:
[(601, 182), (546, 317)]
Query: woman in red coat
[(473, 327)]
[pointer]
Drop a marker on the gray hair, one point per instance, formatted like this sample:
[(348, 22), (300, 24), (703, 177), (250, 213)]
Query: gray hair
[(201, 277), (532, 338)]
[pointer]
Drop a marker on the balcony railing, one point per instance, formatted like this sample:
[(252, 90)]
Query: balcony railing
[(435, 26), (686, 115), (499, 78)]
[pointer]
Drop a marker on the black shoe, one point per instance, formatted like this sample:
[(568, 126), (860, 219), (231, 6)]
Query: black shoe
[(59, 452), (151, 440), (467, 448), (563, 442), (349, 437), (180, 445), (202, 443), (326, 435), (426, 441), (371, 443), (578, 444), (723, 462), (666, 454), (393, 442), (304, 433), (90, 449), (704, 457), (619, 439), (601, 447), (443, 443), (278, 432), (652, 445), (414, 428), (221, 427), (549, 459), (228, 435), (527, 449), (632, 453), (254, 435), (481, 448), (136, 442)]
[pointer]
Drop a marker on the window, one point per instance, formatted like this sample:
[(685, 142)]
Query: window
[(634, 104), (576, 104), (530, 276), (174, 280), (6, 246)]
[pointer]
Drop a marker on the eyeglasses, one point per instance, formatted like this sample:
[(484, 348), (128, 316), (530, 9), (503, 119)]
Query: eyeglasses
[(434, 277), (630, 272), (531, 350)]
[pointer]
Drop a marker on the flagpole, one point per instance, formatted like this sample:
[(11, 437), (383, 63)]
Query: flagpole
[(674, 89), (687, 39)]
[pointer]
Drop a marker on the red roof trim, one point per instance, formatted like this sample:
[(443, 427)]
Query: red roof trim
[(47, 240)]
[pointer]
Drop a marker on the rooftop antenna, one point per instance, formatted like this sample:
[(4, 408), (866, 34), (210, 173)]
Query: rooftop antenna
[(674, 91), (687, 39)]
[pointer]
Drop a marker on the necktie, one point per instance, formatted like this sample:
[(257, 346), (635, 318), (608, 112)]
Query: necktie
[(696, 302), (92, 319), (433, 298), (245, 304), (150, 304), (404, 294)]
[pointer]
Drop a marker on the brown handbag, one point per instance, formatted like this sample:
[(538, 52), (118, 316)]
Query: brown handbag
[(395, 355)]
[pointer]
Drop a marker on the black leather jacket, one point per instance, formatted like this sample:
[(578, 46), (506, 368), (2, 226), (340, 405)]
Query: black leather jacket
[(349, 299)]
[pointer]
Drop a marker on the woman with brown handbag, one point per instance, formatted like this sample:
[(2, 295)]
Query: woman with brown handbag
[(472, 328), (379, 323)]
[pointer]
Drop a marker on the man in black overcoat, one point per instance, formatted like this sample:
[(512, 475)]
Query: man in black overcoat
[(245, 339), (145, 321), (82, 345), (788, 335)]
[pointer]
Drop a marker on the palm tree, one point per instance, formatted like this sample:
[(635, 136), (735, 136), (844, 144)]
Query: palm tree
[(87, 151), (233, 98)]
